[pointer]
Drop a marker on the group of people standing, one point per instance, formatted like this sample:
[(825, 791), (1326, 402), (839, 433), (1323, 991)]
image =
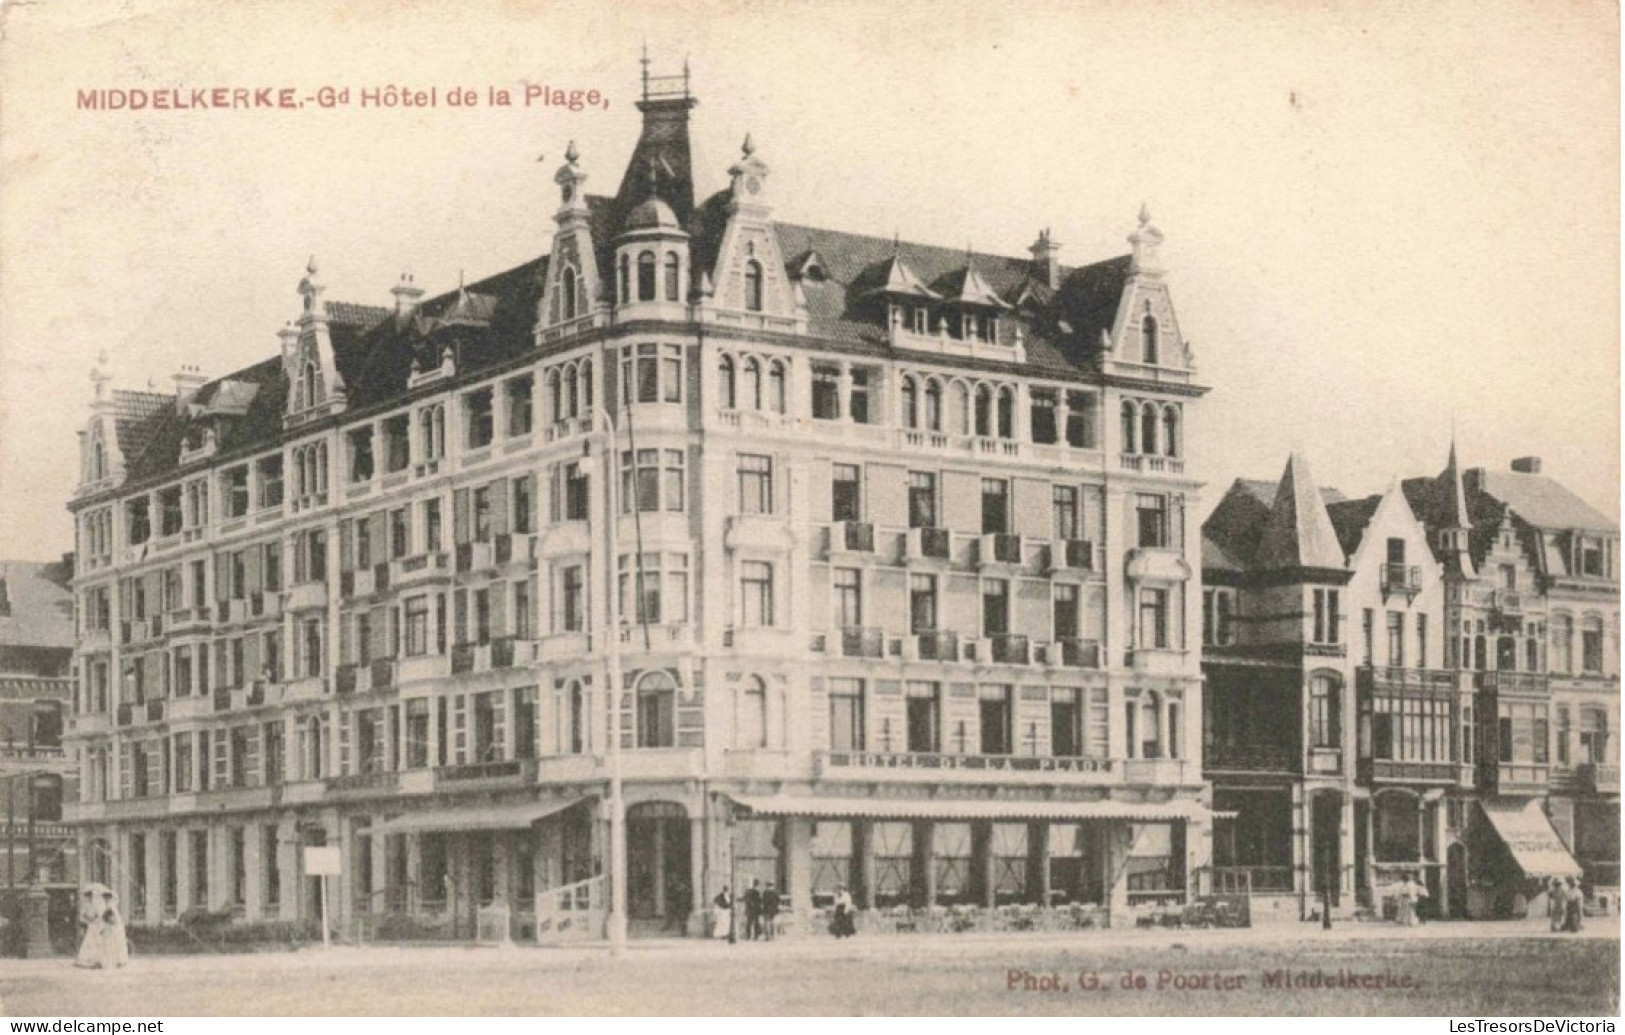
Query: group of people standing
[(1565, 904), (762, 907)]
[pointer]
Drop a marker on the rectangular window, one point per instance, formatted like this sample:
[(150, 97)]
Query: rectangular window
[(523, 506), (417, 733), (524, 722), (417, 626), (1368, 621), (1065, 615), (1152, 514), (848, 586), (360, 443), (269, 471), (1064, 509), (572, 588), (826, 392), (520, 409), (922, 603), (431, 525), (575, 492), (756, 586), (236, 493), (859, 408), (846, 715), (482, 514), (397, 443), (1396, 639), (1327, 618), (995, 506), (755, 484), (924, 716), (1591, 650), (846, 500), (994, 707), (1154, 618), (478, 408), (1422, 642), (995, 607), (652, 479), (922, 499), (1066, 722), (400, 533)]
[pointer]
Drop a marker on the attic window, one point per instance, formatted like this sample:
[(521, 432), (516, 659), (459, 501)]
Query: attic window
[(1148, 338), (753, 286)]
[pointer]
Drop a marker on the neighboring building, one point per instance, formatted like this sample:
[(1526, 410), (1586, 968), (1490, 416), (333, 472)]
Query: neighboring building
[(1446, 605), (888, 542), (1532, 612), (36, 692)]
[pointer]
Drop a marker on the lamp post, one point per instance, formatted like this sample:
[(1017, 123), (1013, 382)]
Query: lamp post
[(616, 932)]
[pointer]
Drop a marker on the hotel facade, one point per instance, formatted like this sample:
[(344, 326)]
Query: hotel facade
[(878, 556)]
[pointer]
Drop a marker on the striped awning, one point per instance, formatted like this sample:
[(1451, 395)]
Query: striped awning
[(488, 817), (961, 809), (1530, 837)]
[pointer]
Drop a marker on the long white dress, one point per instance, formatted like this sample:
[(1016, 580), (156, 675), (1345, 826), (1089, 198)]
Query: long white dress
[(105, 945), (723, 919)]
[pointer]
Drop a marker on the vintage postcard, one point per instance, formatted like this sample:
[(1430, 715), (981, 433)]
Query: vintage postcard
[(749, 508)]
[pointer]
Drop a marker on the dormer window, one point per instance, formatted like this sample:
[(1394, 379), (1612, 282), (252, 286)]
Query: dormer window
[(673, 278), (753, 286), (646, 277), (1148, 338), (921, 317)]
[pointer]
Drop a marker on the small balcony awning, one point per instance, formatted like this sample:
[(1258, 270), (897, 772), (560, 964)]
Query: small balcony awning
[(487, 817), (1528, 835), (961, 809)]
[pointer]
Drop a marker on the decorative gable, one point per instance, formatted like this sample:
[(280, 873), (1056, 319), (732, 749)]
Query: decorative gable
[(315, 387), (1146, 332), (572, 282)]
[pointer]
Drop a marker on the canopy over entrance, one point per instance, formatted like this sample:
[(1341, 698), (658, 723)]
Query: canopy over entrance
[(1529, 836), (961, 809), (488, 817)]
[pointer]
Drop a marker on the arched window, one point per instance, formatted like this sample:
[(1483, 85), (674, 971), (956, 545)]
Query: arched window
[(775, 386), (1148, 339), (753, 286), (1170, 430), (752, 721), (98, 458), (911, 403), (753, 383), (1007, 413), (310, 385), (626, 280), (1325, 713), (984, 408), (1593, 736), (1148, 430), (646, 277), (933, 405), (572, 393), (725, 382), (586, 386), (1130, 420), (656, 718), (959, 419), (567, 292), (673, 277)]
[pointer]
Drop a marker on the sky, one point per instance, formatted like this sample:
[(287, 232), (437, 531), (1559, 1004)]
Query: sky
[(1383, 221)]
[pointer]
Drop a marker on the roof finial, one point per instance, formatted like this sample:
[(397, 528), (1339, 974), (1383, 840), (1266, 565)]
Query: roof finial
[(571, 154), (310, 267), (1145, 213), (644, 61), (748, 148), (459, 280)]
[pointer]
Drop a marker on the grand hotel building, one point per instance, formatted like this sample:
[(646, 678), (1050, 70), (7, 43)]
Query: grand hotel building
[(890, 544)]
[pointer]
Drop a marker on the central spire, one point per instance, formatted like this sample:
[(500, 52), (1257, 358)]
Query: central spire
[(662, 163)]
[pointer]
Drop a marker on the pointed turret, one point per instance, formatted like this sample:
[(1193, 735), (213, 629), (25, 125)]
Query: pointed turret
[(1455, 527), (1299, 532), (662, 150)]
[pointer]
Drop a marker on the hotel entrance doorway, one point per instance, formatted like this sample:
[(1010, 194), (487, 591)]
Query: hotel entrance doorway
[(658, 857)]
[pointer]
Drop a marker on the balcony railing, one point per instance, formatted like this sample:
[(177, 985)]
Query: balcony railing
[(934, 543), (1000, 548), (852, 537), (1072, 555), (383, 673), (1519, 777), (1597, 778), (1256, 879), (509, 769), (1383, 679), (344, 679), (1388, 770), (990, 763), (1508, 602), (462, 658), (1011, 649), (939, 645), (1401, 578), (1076, 653), (862, 642), (380, 782), (502, 652)]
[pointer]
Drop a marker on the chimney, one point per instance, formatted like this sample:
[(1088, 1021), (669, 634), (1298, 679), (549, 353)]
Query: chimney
[(1047, 259), (406, 295), (1527, 465), (187, 382)]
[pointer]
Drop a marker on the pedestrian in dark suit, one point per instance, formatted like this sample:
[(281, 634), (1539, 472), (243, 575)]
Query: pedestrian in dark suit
[(753, 911), (771, 901)]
